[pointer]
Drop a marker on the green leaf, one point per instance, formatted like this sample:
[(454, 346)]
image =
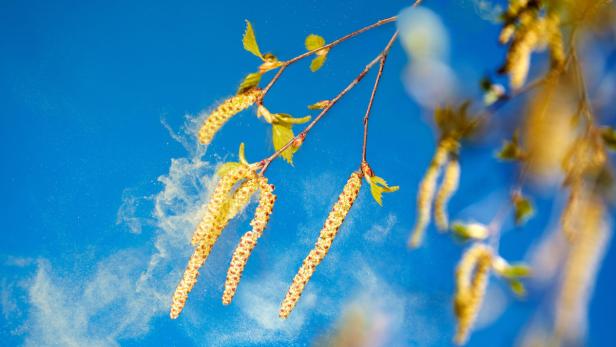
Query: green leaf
[(242, 154), (609, 137), (250, 41), (378, 186), (288, 119), (475, 231), (317, 62), (282, 133), (523, 209), (314, 42), (517, 288), (250, 81), (226, 167), (319, 105), (516, 271)]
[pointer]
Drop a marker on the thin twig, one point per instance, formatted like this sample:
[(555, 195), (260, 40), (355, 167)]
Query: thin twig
[(285, 64), (374, 89), (266, 162)]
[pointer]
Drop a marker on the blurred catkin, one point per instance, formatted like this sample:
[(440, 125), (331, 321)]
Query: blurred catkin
[(249, 240), (334, 220), (427, 189), (451, 178), (224, 112), (581, 267), (471, 280)]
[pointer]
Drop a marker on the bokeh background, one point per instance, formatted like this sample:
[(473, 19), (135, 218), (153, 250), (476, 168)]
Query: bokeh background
[(102, 180)]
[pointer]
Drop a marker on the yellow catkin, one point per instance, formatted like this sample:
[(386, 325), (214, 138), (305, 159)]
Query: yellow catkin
[(334, 220), (224, 112), (555, 40), (471, 280), (241, 197), (249, 240), (526, 39), (209, 230), (425, 194), (580, 271), (451, 178), (215, 210)]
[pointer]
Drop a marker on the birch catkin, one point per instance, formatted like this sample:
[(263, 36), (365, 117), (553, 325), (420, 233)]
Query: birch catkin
[(249, 240), (451, 178), (215, 210), (425, 195), (471, 280), (326, 237), (206, 235), (224, 112), (580, 270)]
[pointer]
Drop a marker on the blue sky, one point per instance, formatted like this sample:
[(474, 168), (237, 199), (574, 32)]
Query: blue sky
[(102, 178)]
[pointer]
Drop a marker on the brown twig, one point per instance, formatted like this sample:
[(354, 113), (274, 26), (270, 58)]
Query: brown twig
[(266, 162), (285, 64), (374, 89)]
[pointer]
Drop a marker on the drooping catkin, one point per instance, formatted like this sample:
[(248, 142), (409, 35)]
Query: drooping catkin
[(241, 196), (451, 178), (471, 280), (555, 40), (427, 189), (580, 270), (215, 214), (207, 234), (334, 220), (526, 39), (249, 240), (224, 112)]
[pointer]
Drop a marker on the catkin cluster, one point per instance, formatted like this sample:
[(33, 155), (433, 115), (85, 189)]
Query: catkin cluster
[(225, 203), (471, 280), (224, 112), (249, 240), (580, 269), (529, 31), (445, 157), (326, 237)]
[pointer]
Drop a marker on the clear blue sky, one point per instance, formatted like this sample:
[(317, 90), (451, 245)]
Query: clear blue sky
[(99, 196)]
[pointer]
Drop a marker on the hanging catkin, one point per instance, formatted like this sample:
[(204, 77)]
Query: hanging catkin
[(216, 209), (206, 235), (425, 194), (326, 237), (471, 280), (451, 178), (249, 240), (224, 112), (580, 270)]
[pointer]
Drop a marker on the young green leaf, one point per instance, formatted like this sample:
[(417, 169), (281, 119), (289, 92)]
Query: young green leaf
[(314, 42), (523, 209), (475, 231), (250, 41), (281, 134), (517, 288), (378, 186), (288, 119), (242, 154), (319, 105), (317, 62), (516, 271), (609, 137), (250, 81)]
